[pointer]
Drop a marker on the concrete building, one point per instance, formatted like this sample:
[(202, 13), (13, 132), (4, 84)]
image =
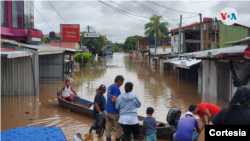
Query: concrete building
[(21, 74), (221, 71)]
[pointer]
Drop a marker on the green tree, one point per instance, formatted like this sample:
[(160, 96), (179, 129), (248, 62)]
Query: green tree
[(130, 43), (115, 49), (94, 46), (161, 27), (45, 40), (87, 57)]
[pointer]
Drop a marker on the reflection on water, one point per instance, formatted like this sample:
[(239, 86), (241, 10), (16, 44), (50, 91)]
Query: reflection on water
[(160, 89)]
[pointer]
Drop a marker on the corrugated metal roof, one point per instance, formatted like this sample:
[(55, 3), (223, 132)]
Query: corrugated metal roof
[(40, 47), (15, 54), (242, 41), (64, 45), (218, 53)]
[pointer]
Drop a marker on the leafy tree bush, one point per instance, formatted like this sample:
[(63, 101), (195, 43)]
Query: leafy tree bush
[(130, 43), (87, 57), (115, 49)]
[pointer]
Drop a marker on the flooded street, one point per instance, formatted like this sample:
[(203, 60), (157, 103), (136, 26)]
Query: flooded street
[(160, 89)]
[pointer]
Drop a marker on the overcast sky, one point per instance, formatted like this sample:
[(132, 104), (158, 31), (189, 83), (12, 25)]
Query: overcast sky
[(118, 26)]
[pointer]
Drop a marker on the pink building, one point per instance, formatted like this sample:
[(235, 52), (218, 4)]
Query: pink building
[(17, 22)]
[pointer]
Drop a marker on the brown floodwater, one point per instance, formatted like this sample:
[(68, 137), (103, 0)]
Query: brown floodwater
[(160, 89)]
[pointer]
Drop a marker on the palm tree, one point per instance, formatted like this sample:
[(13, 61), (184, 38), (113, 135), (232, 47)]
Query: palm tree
[(161, 27)]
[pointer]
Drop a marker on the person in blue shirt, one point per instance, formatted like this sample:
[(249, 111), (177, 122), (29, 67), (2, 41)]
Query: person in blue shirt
[(149, 123), (112, 114), (185, 128)]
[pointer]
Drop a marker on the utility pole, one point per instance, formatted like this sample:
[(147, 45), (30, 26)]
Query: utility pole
[(179, 50), (90, 41), (202, 35), (155, 44)]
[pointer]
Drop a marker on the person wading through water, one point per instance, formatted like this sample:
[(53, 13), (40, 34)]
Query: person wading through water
[(112, 115), (66, 92), (238, 112)]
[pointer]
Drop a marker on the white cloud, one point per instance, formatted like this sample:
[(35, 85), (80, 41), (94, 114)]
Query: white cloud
[(120, 26)]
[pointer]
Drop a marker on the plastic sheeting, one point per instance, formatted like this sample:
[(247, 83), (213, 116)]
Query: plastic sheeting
[(240, 72)]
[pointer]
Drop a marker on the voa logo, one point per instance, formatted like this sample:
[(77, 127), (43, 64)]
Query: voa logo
[(229, 16)]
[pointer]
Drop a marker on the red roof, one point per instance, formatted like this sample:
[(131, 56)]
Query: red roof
[(183, 27), (64, 45), (47, 35), (7, 49), (103, 36)]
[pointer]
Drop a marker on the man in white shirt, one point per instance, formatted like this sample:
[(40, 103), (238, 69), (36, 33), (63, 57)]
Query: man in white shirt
[(66, 92)]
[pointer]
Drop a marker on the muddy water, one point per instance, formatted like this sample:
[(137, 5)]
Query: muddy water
[(160, 89)]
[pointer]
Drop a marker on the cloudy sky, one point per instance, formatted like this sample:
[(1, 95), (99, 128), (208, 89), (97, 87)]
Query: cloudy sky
[(118, 26)]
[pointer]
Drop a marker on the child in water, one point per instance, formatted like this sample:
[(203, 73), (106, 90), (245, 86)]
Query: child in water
[(149, 123)]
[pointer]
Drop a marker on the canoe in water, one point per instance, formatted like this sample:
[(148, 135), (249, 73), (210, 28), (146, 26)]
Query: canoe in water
[(82, 106)]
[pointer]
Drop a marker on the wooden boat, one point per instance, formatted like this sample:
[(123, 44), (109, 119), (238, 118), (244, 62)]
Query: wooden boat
[(82, 106)]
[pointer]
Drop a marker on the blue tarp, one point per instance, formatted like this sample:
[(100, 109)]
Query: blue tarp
[(33, 134)]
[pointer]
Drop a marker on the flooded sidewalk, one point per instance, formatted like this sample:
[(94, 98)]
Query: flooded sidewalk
[(160, 89)]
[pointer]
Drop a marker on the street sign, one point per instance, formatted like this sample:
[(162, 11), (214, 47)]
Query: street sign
[(247, 52), (70, 32), (91, 35)]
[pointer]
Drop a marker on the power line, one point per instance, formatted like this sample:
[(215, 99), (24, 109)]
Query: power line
[(53, 23), (171, 8), (152, 10), (56, 11), (121, 11), (42, 16), (143, 6), (105, 12), (126, 8)]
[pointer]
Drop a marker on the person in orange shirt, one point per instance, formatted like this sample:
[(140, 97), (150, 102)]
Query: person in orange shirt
[(203, 109)]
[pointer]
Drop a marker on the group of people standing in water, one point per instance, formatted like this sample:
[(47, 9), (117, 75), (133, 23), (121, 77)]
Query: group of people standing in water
[(121, 113)]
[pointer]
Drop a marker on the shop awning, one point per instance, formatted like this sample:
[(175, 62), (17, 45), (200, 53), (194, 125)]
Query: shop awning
[(41, 48), (183, 63)]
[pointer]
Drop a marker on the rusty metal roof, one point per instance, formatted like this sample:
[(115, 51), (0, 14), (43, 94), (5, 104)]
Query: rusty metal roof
[(218, 53)]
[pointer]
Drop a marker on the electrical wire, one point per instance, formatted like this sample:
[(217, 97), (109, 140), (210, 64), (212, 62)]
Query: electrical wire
[(106, 13), (171, 8), (121, 11), (145, 7), (56, 11), (42, 16), (127, 8)]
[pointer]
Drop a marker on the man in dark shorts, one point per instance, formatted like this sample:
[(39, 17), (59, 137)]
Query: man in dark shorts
[(203, 109), (99, 102)]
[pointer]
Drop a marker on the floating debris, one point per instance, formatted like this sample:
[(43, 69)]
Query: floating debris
[(37, 99), (30, 104), (49, 100), (27, 113)]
